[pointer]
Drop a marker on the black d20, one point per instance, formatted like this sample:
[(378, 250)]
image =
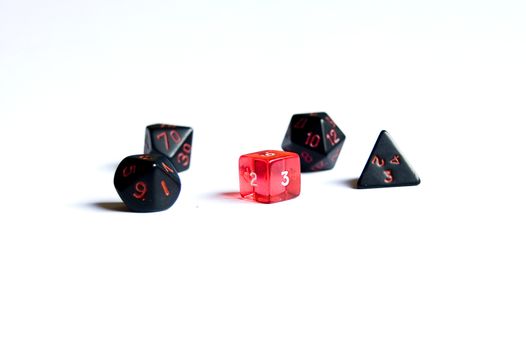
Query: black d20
[(316, 139), (174, 142), (386, 167), (147, 182)]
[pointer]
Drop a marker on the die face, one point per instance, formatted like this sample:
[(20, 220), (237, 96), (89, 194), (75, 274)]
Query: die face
[(147, 183), (387, 167), (174, 142), (316, 139), (269, 176)]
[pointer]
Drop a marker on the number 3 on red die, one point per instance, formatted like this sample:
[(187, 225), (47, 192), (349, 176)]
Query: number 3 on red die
[(269, 176)]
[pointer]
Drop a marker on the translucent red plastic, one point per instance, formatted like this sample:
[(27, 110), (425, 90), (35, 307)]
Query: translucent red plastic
[(269, 176)]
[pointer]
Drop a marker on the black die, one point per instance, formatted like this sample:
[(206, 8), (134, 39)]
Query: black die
[(386, 166), (316, 139), (174, 142), (147, 182)]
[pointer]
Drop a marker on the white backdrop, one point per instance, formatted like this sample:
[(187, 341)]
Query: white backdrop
[(437, 266)]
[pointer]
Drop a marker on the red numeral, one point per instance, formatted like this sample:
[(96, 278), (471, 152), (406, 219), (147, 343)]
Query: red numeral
[(388, 176), (141, 189), (300, 124), (167, 168), (313, 140), (333, 137), (395, 160), (165, 188), (182, 157), (166, 142), (378, 161), (128, 170), (306, 156), (174, 135)]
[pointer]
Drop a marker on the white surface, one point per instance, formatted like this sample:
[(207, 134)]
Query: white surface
[(438, 266)]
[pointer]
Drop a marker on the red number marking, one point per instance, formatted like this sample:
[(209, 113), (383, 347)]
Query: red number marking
[(300, 124), (313, 140), (166, 142), (378, 161), (165, 188), (395, 160), (167, 168), (306, 156), (183, 159), (145, 157), (388, 176), (333, 137), (128, 170), (141, 189), (175, 136)]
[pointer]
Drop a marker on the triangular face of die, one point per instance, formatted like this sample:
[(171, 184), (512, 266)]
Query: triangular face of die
[(386, 166)]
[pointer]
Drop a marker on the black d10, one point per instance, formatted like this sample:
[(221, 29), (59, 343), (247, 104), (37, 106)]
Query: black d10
[(174, 142)]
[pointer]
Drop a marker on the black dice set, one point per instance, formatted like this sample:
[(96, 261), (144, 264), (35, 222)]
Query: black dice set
[(150, 182), (316, 138)]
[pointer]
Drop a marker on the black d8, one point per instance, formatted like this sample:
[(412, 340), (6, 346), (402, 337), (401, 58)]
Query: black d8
[(147, 182), (174, 142), (317, 140)]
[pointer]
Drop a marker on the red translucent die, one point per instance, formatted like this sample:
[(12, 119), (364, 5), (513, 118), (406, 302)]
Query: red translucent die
[(269, 176)]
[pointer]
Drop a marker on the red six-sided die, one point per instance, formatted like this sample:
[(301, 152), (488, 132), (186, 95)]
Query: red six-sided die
[(269, 176)]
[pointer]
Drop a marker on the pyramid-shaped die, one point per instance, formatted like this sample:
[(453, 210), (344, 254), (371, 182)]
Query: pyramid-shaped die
[(316, 139), (386, 166)]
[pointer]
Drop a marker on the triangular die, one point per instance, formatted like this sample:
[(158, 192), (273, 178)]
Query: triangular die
[(386, 166)]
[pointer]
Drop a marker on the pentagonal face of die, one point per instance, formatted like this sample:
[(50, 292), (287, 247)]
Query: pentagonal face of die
[(174, 142), (269, 176), (316, 139), (147, 182)]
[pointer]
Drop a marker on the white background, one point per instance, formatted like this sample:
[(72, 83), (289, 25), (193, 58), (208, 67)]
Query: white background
[(437, 266)]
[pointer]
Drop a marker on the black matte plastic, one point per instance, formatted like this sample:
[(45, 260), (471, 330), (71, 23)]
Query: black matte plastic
[(147, 182), (316, 139), (386, 167), (174, 142)]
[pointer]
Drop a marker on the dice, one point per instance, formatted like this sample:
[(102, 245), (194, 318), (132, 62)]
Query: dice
[(386, 167), (147, 182), (269, 176), (317, 140), (174, 142)]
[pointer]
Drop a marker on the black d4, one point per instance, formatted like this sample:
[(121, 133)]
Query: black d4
[(174, 142), (316, 139), (386, 166)]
